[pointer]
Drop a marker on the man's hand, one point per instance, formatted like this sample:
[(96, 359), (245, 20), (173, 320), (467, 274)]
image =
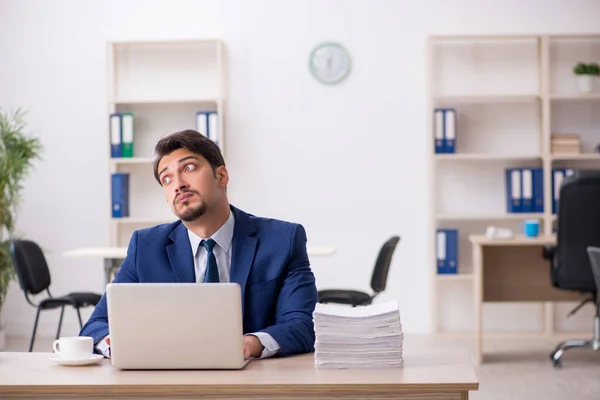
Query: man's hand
[(107, 340), (252, 347)]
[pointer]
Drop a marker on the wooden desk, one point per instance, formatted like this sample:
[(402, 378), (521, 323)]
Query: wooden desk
[(112, 257), (511, 270), (448, 376)]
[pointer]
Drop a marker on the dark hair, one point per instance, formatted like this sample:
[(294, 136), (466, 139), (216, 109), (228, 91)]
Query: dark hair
[(190, 140)]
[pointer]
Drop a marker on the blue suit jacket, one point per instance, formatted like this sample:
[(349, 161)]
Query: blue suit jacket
[(269, 260)]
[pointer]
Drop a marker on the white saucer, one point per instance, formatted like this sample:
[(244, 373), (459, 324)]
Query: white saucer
[(93, 358)]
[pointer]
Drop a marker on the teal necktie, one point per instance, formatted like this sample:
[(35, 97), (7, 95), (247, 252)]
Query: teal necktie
[(212, 272)]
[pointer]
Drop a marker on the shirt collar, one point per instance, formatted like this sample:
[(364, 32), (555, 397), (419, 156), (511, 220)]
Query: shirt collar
[(223, 236)]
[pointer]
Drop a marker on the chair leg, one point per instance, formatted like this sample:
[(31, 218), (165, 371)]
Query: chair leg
[(79, 316), (566, 345), (574, 343), (37, 317), (62, 312)]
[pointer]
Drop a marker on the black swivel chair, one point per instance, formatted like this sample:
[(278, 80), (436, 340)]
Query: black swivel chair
[(578, 228), (378, 280), (34, 277)]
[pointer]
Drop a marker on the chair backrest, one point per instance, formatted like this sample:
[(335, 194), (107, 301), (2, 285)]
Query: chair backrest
[(594, 254), (31, 267), (578, 227), (382, 265)]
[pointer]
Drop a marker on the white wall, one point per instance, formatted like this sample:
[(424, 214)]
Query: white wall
[(349, 162)]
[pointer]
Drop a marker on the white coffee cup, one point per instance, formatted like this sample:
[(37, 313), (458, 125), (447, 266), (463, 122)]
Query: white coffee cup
[(74, 348)]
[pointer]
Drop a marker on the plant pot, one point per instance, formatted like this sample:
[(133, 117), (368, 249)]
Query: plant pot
[(585, 83)]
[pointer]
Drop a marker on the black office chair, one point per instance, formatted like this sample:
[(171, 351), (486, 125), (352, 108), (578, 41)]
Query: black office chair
[(378, 280), (578, 228), (34, 277)]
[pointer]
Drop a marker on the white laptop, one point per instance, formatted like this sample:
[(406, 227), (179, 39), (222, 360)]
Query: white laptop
[(175, 325)]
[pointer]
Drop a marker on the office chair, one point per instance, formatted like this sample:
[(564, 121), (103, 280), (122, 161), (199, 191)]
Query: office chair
[(378, 280), (578, 228), (34, 277)]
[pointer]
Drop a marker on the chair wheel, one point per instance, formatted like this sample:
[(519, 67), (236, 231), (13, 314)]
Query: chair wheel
[(555, 362)]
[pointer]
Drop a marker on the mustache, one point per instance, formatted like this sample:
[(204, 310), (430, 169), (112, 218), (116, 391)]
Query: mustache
[(184, 192)]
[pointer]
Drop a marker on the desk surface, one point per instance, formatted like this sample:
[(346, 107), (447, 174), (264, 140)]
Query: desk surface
[(34, 374), (517, 240), (121, 252)]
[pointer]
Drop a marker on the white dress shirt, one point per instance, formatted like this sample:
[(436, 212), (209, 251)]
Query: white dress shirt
[(222, 251)]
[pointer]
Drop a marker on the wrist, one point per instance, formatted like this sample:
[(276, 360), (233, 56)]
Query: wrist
[(255, 346)]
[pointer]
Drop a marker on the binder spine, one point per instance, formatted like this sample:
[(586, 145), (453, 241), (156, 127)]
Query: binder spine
[(527, 190), (538, 190), (115, 135), (513, 190), (557, 178), (202, 123), (127, 129), (213, 127), (452, 251), (120, 195), (438, 124), (441, 251), (450, 130)]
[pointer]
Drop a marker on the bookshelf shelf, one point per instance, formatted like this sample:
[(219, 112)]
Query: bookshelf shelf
[(163, 84), (131, 160), (489, 217), (575, 157), (506, 98), (486, 157), (575, 97), (455, 277), (166, 101), (510, 95)]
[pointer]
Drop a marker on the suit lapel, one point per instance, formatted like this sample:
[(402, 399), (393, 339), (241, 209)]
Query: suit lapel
[(244, 248), (180, 255)]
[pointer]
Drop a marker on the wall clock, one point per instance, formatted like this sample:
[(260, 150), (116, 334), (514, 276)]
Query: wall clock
[(330, 63)]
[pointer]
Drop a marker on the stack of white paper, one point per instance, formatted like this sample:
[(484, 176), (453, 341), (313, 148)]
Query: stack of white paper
[(358, 337)]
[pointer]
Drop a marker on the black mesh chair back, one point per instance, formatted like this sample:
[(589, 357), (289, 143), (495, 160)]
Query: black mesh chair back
[(382, 264), (594, 254), (31, 267), (578, 227), (34, 277)]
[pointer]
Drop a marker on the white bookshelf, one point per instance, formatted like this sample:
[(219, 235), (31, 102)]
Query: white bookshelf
[(510, 92), (163, 84)]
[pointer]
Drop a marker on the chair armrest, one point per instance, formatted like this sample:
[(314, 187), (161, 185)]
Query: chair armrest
[(548, 252)]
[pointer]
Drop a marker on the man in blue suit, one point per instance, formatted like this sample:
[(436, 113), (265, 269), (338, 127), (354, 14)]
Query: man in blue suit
[(216, 242)]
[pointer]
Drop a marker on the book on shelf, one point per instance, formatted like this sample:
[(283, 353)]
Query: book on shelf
[(127, 132), (558, 175), (115, 135), (202, 122), (213, 127), (445, 130), (562, 143), (524, 190), (121, 135), (447, 251), (120, 195), (207, 124)]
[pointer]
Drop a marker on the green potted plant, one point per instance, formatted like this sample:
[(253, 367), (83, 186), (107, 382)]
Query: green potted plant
[(586, 73), (17, 152)]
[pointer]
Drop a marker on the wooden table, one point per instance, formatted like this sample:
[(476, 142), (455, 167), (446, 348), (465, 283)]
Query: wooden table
[(511, 270), (113, 256), (446, 375)]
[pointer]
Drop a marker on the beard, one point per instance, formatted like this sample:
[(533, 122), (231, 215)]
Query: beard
[(193, 213)]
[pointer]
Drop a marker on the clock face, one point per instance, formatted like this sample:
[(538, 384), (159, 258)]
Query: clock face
[(330, 62)]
